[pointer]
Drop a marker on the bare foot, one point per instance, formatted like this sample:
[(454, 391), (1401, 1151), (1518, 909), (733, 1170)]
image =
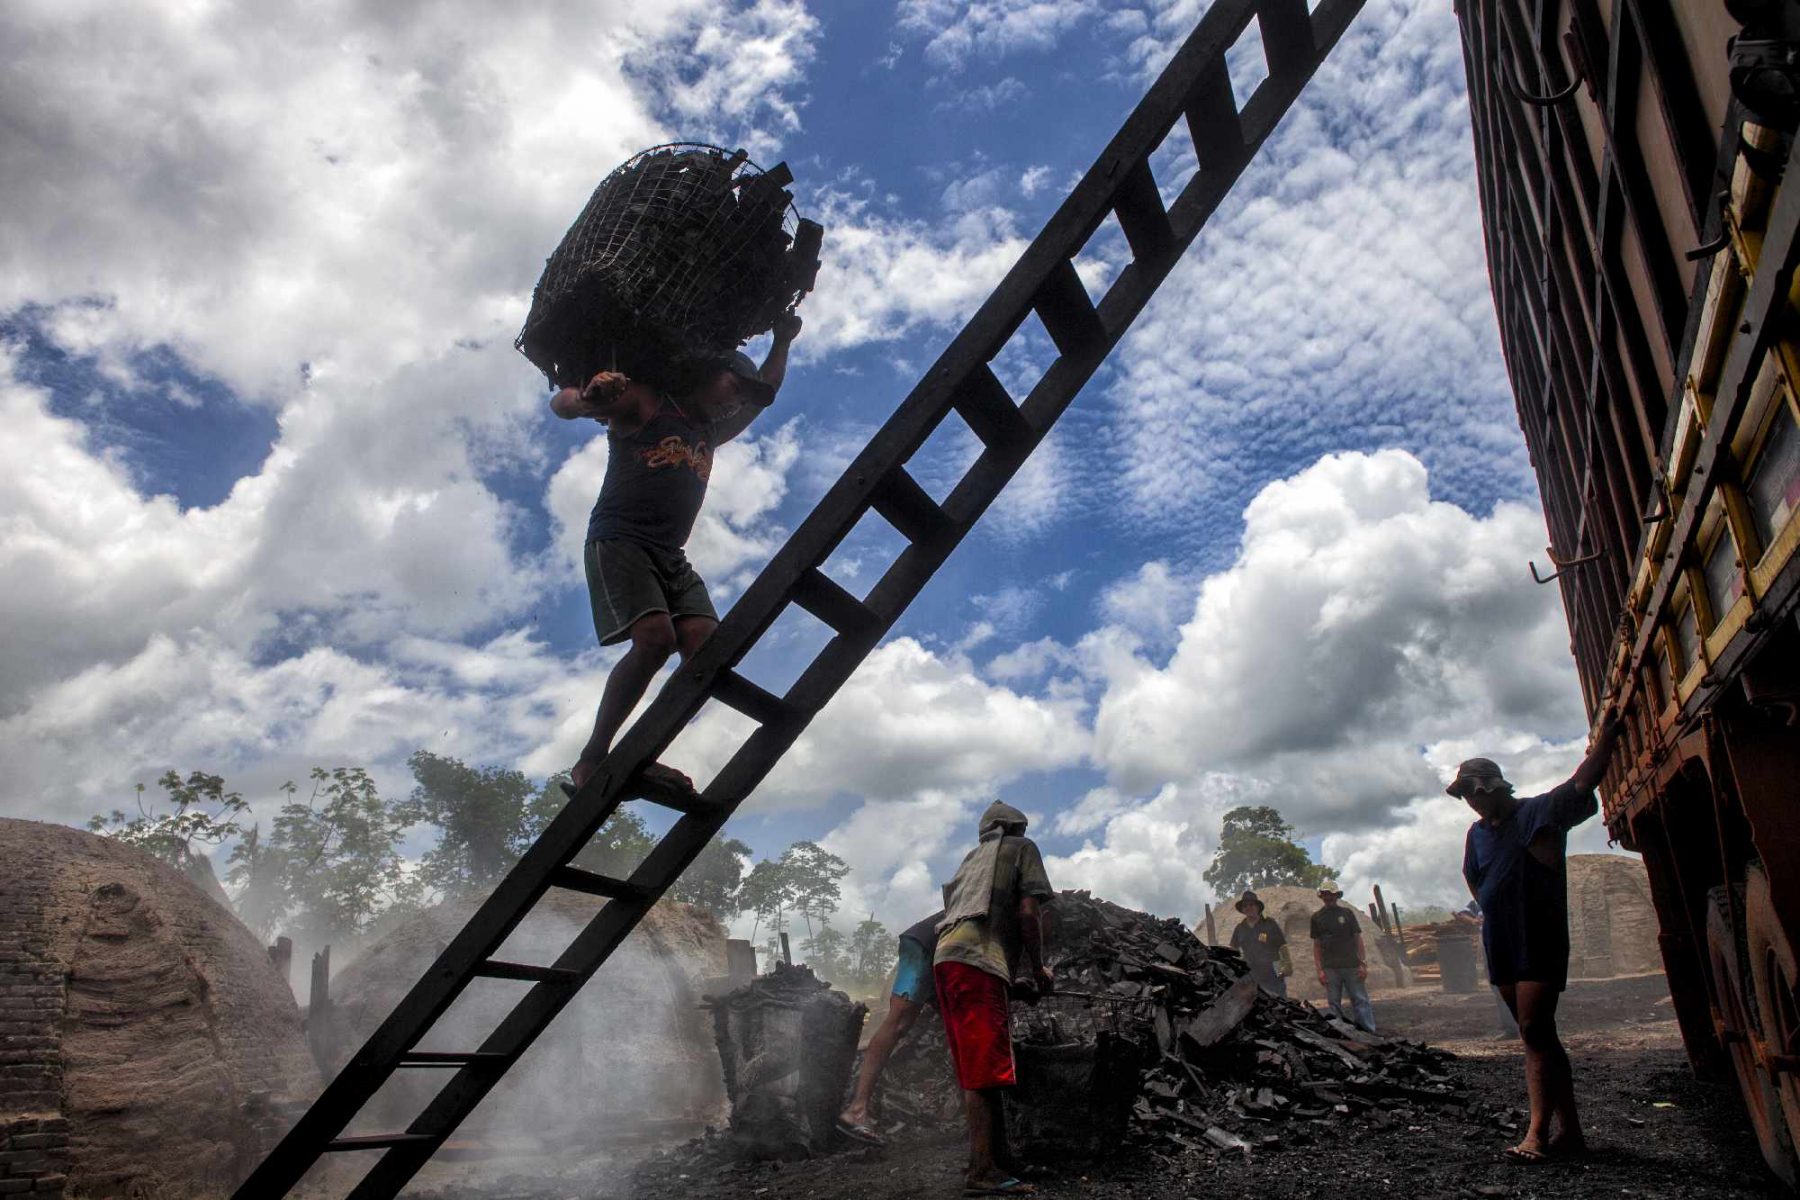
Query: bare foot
[(1567, 1145), (1529, 1152), (582, 772), (667, 776)]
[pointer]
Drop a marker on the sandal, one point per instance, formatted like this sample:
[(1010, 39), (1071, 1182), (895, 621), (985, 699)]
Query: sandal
[(1524, 1157), (860, 1133), (1010, 1186)]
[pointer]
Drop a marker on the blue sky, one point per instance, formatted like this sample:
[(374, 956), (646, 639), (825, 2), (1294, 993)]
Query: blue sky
[(279, 492)]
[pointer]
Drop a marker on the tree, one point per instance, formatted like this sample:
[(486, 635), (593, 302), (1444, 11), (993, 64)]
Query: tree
[(825, 953), (484, 818), (259, 872), (339, 858), (1257, 849), (767, 891), (805, 879), (814, 878), (872, 953), (204, 813), (713, 880)]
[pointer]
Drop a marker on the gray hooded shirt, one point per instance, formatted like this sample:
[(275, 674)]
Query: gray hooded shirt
[(981, 904)]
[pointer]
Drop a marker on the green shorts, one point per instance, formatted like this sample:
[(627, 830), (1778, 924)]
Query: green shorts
[(628, 580)]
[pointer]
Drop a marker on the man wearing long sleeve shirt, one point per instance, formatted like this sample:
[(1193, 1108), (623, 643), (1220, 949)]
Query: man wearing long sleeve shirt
[(1514, 863)]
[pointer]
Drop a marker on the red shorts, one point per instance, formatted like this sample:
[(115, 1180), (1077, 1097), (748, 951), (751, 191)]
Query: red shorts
[(976, 1022)]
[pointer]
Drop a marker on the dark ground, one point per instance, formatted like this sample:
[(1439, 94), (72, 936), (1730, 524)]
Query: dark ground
[(1656, 1132)]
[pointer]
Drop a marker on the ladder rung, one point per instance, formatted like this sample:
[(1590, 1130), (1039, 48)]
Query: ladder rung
[(493, 969), (1062, 303), (730, 688), (574, 879), (457, 1058), (1213, 121), (983, 402), (1141, 213), (909, 508), (379, 1141), (821, 596), (670, 794)]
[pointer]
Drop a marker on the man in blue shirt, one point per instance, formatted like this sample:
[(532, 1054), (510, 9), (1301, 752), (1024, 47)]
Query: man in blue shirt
[(1513, 861)]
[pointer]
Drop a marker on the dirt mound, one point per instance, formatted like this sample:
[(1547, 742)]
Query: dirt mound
[(141, 1017), (634, 1048)]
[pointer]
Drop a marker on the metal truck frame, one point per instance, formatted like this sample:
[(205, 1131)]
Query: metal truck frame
[(1642, 209)]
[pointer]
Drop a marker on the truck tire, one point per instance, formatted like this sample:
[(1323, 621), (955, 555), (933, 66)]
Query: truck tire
[(1774, 982), (1725, 955)]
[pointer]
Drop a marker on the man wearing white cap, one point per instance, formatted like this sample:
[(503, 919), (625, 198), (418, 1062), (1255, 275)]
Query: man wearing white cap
[(1341, 958), (1513, 861)]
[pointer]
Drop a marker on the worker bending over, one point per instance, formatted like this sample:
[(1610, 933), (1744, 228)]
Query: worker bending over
[(914, 988)]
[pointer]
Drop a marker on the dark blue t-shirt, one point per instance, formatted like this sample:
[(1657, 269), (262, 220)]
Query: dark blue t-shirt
[(1525, 903), (655, 480)]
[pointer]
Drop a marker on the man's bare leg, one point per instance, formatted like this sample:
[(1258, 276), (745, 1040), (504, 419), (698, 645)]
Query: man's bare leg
[(691, 633), (987, 1131), (1549, 1080), (1540, 1000), (653, 640), (901, 1014)]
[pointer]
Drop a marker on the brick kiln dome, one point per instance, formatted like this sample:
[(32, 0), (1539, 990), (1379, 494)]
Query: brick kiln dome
[(1612, 922), (632, 1052), (150, 1049)]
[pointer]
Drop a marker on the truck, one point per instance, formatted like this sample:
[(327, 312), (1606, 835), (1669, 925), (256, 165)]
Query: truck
[(1641, 211)]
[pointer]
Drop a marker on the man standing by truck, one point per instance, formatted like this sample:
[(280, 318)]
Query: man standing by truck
[(1514, 863)]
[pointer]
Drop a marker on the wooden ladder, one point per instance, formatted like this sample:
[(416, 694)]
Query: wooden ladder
[(1196, 87)]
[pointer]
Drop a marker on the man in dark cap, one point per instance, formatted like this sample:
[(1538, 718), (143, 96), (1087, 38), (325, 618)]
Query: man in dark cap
[(991, 942), (1514, 862), (1263, 946)]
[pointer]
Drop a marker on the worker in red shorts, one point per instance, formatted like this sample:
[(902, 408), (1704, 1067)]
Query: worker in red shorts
[(992, 935)]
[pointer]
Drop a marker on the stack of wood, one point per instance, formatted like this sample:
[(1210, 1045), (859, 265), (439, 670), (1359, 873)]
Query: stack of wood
[(1422, 947)]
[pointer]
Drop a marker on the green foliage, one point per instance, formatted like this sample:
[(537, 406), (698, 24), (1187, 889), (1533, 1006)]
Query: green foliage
[(805, 880), (485, 817), (872, 953), (322, 870), (1257, 849), (825, 953), (713, 880), (336, 856), (815, 875), (203, 813), (260, 873)]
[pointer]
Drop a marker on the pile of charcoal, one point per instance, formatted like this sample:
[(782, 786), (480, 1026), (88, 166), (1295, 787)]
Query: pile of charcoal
[(1167, 1040)]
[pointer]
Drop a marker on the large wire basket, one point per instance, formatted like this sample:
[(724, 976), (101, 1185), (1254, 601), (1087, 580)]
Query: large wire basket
[(682, 254)]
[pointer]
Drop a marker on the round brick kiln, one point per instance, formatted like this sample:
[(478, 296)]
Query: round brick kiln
[(147, 1047)]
